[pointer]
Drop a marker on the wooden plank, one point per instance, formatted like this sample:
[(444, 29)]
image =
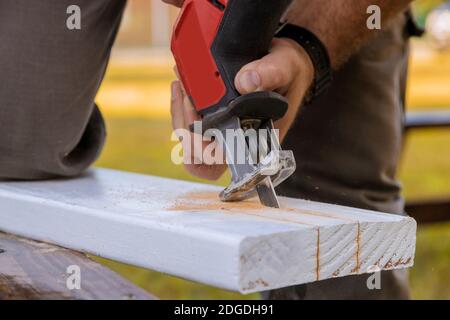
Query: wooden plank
[(181, 228), (37, 270)]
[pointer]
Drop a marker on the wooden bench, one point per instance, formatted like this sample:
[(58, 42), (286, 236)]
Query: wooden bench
[(36, 270), (181, 228)]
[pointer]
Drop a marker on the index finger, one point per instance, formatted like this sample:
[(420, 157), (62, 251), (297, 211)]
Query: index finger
[(176, 107)]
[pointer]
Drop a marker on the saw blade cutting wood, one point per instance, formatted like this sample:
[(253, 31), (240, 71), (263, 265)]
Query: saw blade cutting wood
[(212, 41), (255, 159)]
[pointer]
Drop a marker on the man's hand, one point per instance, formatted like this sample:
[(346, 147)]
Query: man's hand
[(183, 115), (287, 69)]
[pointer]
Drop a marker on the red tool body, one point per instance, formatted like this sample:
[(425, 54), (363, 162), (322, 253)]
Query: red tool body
[(212, 41), (194, 35)]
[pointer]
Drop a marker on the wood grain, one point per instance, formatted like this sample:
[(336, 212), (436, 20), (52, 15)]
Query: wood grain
[(182, 228)]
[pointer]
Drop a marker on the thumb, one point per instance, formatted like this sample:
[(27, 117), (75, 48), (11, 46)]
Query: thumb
[(275, 71)]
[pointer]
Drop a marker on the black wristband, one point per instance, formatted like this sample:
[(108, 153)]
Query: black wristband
[(317, 52)]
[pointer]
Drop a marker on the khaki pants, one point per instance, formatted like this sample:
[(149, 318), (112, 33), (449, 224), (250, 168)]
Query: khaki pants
[(347, 143)]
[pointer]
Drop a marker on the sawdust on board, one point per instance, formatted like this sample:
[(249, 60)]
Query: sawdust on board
[(209, 201)]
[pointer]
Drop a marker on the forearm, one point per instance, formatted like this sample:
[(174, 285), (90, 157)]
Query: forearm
[(342, 24)]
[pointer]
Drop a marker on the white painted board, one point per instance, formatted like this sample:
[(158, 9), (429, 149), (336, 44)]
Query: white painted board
[(181, 228)]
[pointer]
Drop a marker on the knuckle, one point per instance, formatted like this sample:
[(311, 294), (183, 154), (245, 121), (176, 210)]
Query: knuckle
[(274, 74)]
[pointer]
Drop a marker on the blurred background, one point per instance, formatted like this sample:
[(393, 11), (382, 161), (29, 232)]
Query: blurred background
[(135, 101)]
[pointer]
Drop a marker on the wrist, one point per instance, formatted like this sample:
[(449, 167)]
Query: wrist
[(317, 53), (300, 87), (305, 65)]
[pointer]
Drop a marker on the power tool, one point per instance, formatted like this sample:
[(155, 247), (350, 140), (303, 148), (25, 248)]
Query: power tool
[(212, 40)]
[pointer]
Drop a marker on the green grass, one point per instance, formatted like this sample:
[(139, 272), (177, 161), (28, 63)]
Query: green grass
[(430, 276), (142, 144), (425, 172)]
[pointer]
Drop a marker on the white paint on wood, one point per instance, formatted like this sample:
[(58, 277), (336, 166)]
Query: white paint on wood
[(181, 228)]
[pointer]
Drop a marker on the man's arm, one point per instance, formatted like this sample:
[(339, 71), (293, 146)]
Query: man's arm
[(287, 69), (341, 24), (342, 27)]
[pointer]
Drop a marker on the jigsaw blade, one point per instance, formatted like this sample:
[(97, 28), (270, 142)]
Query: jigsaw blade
[(242, 154), (267, 194)]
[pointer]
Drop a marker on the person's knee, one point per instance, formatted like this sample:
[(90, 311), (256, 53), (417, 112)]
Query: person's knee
[(50, 77), (42, 153)]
